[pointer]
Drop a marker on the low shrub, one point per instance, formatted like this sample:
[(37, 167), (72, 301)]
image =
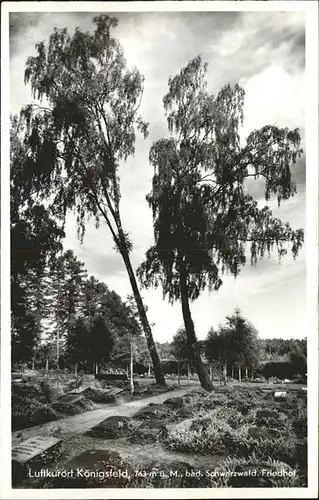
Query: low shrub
[(155, 411), (272, 420), (27, 412), (69, 408), (147, 432), (224, 431), (98, 395), (112, 427), (202, 435)]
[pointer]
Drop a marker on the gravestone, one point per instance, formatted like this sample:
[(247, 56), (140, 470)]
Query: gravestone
[(111, 427), (243, 409), (70, 398), (98, 395), (33, 447), (223, 389), (69, 404), (262, 433), (114, 392), (153, 411), (112, 376), (280, 395), (149, 431), (79, 390), (176, 402), (267, 414), (141, 390)]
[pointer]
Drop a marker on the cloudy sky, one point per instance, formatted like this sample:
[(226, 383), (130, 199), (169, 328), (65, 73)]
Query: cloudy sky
[(264, 53)]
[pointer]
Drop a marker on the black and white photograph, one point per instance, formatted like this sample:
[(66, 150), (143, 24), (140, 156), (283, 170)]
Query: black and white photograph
[(159, 305)]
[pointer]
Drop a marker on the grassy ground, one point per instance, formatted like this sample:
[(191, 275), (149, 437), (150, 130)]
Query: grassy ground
[(236, 436)]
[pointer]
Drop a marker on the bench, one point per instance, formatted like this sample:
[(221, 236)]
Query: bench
[(111, 376)]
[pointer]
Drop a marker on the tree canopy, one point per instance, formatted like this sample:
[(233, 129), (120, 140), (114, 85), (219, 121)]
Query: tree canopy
[(88, 123), (243, 340), (180, 347), (204, 218), (82, 127)]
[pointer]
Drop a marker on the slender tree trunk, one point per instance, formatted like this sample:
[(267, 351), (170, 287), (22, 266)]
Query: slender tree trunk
[(57, 347), (96, 368), (191, 335), (211, 372), (47, 364), (159, 377), (149, 369), (178, 373), (225, 373), (188, 373), (232, 372), (76, 369), (239, 373), (246, 372), (131, 370), (32, 366), (127, 371)]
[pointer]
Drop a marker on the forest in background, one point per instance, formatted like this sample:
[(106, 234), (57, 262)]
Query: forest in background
[(65, 319)]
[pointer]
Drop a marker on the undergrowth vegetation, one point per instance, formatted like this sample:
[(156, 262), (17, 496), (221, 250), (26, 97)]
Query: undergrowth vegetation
[(248, 429), (35, 401)]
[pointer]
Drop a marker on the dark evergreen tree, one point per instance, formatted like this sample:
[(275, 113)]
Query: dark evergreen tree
[(65, 296), (180, 349), (243, 348), (35, 239), (78, 343), (217, 350), (102, 340)]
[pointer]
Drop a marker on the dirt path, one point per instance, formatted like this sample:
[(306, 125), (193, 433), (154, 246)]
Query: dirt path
[(78, 424)]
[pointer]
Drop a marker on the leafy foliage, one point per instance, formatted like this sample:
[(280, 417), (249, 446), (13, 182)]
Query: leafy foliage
[(204, 219), (219, 427), (84, 126), (89, 125), (217, 346), (102, 339), (78, 341), (103, 331), (65, 288), (242, 341), (180, 347), (203, 216)]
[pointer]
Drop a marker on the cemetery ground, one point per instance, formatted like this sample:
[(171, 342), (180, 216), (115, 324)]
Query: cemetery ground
[(97, 436)]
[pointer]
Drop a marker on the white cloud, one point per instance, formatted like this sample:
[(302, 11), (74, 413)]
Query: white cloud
[(255, 49), (273, 97)]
